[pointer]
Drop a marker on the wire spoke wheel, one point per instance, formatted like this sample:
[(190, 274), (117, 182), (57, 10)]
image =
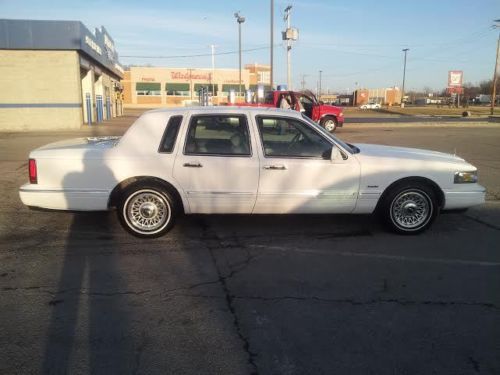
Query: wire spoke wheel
[(147, 211), (411, 209)]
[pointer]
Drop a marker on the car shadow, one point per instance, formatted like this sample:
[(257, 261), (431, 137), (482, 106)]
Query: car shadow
[(89, 323)]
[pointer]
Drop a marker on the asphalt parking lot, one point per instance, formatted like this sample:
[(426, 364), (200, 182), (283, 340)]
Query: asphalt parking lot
[(253, 295)]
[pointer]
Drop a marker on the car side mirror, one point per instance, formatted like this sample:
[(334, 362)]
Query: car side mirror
[(336, 154)]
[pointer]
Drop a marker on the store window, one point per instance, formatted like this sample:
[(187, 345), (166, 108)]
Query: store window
[(198, 86), (177, 89), (236, 88), (254, 88), (148, 88)]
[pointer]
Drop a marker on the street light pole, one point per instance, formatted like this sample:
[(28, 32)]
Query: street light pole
[(319, 89), (288, 49), (405, 50), (495, 74), (240, 20), (272, 44)]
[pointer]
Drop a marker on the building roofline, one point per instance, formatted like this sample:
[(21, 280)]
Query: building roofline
[(48, 35)]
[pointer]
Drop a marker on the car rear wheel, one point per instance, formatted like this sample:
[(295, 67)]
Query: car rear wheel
[(147, 210), (409, 208), (329, 123)]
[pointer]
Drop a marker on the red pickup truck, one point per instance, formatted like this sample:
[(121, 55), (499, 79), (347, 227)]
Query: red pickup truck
[(328, 116)]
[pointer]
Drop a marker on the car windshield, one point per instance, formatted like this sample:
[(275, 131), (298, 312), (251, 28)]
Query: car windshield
[(309, 98), (269, 98), (350, 148)]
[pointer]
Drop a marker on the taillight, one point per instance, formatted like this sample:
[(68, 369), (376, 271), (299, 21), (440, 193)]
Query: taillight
[(32, 171)]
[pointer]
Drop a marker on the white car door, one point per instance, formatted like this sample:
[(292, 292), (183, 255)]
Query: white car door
[(297, 174), (217, 166)]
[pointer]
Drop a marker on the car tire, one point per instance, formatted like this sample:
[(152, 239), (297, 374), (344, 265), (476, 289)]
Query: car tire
[(329, 123), (409, 208), (147, 210)]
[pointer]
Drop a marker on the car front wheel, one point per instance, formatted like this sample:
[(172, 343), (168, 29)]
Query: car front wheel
[(409, 208), (329, 123), (147, 210)]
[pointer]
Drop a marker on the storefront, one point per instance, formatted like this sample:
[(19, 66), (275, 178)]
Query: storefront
[(156, 87), (385, 96), (57, 75)]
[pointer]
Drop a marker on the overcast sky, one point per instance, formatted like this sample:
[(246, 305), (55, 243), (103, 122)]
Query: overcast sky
[(352, 42)]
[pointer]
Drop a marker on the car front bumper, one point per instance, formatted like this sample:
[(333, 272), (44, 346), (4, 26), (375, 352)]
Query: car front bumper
[(455, 199)]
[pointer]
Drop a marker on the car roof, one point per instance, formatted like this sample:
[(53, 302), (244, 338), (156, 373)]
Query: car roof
[(225, 109)]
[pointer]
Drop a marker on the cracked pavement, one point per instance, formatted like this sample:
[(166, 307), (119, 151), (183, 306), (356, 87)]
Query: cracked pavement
[(249, 295)]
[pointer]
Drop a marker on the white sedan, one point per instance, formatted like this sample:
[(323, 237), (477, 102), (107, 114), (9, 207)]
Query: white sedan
[(227, 160), (371, 106)]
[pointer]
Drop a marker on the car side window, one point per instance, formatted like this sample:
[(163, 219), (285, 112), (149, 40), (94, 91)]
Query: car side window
[(287, 137), (170, 134), (218, 135)]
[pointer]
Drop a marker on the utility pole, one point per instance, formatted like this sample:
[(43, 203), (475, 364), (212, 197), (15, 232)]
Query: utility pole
[(191, 88), (405, 50), (272, 44), (495, 74), (240, 20), (303, 82), (289, 35), (355, 94), (319, 88), (212, 47)]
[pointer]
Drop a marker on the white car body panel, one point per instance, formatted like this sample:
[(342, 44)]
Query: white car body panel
[(308, 186), (384, 165), (80, 174), (224, 184)]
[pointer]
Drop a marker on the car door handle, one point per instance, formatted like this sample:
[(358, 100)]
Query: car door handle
[(192, 165), (275, 167)]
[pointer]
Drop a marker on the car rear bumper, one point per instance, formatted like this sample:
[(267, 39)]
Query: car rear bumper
[(68, 199), (464, 199)]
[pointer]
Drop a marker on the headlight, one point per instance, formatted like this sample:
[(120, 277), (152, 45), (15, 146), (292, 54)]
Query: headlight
[(465, 177), (341, 114)]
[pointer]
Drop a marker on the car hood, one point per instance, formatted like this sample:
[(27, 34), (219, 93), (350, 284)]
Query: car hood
[(369, 150), (330, 108)]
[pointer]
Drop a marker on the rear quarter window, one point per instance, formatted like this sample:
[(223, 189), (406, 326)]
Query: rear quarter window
[(167, 143)]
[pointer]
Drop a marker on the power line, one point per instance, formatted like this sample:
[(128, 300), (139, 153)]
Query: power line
[(452, 44), (196, 55), (363, 72)]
